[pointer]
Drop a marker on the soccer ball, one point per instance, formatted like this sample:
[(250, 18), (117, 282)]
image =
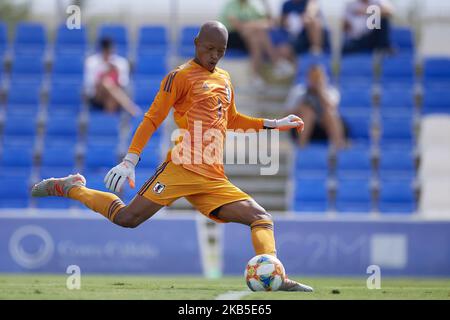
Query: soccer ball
[(264, 273)]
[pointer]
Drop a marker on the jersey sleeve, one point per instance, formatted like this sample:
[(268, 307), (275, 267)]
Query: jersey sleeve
[(241, 121), (171, 90)]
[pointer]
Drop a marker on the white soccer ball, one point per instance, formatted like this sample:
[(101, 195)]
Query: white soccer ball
[(264, 273)]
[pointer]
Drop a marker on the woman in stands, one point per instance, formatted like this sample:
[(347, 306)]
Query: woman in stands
[(317, 103), (106, 76)]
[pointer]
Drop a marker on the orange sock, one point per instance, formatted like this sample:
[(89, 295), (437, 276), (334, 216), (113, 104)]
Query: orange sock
[(263, 238), (107, 204)]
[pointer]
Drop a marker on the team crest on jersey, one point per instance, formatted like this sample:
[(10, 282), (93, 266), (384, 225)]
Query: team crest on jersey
[(205, 85), (158, 188)]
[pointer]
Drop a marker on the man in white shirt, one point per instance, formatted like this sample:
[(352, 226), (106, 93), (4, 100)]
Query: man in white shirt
[(357, 36), (106, 76)]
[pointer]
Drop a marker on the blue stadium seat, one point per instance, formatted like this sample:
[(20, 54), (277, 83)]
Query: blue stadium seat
[(95, 179), (101, 124), (100, 157), (55, 142), (359, 126), (396, 163), (15, 141), (62, 156), (310, 195), (354, 163), (361, 84), (356, 98), (58, 171), (3, 42), (397, 102), (398, 69), (15, 172), (23, 100), (23, 95), (65, 99), (152, 39), (356, 66), (353, 195), (436, 73), (396, 131), (20, 126), (436, 69), (436, 100), (145, 94), (67, 69), (27, 68), (20, 198), (16, 157), (71, 41), (403, 39), (61, 126), (102, 141), (396, 196), (151, 66), (311, 162), (118, 33), (30, 39), (186, 41), (1, 67)]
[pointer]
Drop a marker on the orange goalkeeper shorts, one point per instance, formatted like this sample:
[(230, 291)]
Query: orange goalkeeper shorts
[(171, 182)]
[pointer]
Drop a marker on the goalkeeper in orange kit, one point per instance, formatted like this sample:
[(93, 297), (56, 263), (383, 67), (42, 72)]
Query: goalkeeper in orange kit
[(202, 97)]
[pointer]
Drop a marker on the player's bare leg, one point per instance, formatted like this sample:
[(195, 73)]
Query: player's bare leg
[(313, 28), (120, 97), (309, 118), (250, 213), (137, 211), (335, 130), (107, 204)]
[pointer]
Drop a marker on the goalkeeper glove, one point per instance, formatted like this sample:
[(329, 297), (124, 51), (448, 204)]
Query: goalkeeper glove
[(116, 177), (286, 123)]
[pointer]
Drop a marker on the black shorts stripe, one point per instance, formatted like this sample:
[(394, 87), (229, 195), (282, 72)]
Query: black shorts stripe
[(152, 179)]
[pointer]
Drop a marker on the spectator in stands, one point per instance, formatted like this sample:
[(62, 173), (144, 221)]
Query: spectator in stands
[(249, 31), (303, 21), (317, 104), (357, 36), (106, 77)]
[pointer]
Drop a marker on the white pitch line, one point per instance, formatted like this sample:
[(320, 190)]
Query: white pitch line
[(233, 295)]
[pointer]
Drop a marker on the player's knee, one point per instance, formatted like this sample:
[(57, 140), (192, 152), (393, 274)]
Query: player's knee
[(130, 223), (127, 219), (260, 214)]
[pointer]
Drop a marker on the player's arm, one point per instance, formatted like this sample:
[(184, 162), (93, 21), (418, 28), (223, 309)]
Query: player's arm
[(241, 121), (168, 94)]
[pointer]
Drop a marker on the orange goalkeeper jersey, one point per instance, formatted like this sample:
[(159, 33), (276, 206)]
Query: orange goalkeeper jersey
[(202, 100)]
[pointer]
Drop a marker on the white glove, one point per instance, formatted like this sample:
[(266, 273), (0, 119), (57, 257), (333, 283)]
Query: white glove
[(286, 123), (115, 178)]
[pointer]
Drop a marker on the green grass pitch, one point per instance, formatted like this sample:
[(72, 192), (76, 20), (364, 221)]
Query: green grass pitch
[(15, 286)]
